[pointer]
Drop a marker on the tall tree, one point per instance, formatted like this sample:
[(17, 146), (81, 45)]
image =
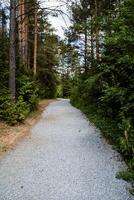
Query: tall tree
[(35, 39), (4, 46), (12, 50), (23, 24)]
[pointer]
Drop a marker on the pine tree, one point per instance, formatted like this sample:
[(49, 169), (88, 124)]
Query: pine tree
[(12, 50), (4, 46)]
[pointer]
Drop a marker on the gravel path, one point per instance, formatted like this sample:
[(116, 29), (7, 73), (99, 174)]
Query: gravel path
[(65, 158)]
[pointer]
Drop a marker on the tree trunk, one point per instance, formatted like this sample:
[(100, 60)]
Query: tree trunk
[(97, 44), (85, 53), (92, 41), (35, 42), (97, 31), (12, 59), (23, 31)]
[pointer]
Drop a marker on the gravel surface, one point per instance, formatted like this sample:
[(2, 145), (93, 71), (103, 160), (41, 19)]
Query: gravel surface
[(64, 158)]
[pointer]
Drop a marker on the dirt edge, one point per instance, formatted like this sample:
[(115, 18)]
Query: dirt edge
[(11, 135)]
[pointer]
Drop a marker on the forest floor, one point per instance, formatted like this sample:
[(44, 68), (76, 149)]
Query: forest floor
[(64, 158), (10, 135)]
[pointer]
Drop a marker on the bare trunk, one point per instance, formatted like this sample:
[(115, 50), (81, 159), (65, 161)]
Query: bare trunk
[(23, 31), (92, 41), (35, 42), (85, 56), (97, 31), (97, 44), (12, 59)]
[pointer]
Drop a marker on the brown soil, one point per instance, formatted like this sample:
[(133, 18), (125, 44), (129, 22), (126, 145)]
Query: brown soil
[(10, 135)]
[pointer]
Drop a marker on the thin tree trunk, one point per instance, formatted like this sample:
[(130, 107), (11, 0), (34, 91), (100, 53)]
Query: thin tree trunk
[(12, 59), (97, 44), (92, 41), (97, 31), (85, 56), (35, 42)]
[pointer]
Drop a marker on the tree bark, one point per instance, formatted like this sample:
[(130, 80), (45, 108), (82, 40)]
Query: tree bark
[(35, 42), (85, 53), (92, 41), (23, 31), (97, 31), (12, 49)]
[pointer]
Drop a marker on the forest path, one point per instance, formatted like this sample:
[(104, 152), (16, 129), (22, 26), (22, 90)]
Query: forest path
[(64, 158)]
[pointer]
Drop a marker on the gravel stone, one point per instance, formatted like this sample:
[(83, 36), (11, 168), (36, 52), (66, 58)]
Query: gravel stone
[(64, 158)]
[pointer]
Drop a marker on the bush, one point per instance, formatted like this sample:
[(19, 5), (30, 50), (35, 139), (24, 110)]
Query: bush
[(26, 101), (108, 108), (86, 91), (7, 109), (22, 109), (48, 83), (10, 112), (28, 89), (41, 90)]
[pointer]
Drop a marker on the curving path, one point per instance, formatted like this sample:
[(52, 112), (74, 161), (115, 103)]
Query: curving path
[(64, 158)]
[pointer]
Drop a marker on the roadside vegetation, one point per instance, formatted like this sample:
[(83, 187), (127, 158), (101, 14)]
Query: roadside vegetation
[(11, 135), (27, 60), (104, 86)]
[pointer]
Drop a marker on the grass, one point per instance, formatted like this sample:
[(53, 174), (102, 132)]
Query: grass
[(107, 126), (127, 176)]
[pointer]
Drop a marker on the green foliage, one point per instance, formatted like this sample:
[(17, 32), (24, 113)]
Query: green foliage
[(66, 86), (28, 89), (115, 97), (26, 101), (126, 142), (42, 90), (48, 83), (6, 107), (22, 108), (47, 60), (87, 90), (126, 175), (10, 112), (3, 49), (106, 92), (59, 91)]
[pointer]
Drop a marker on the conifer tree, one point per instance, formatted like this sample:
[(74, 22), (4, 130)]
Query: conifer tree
[(12, 50)]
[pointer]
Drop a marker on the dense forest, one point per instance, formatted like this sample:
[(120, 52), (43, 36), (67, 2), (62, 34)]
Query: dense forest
[(27, 60), (103, 35), (93, 65)]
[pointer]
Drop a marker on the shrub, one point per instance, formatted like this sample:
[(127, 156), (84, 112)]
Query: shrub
[(28, 89), (26, 101), (22, 109)]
